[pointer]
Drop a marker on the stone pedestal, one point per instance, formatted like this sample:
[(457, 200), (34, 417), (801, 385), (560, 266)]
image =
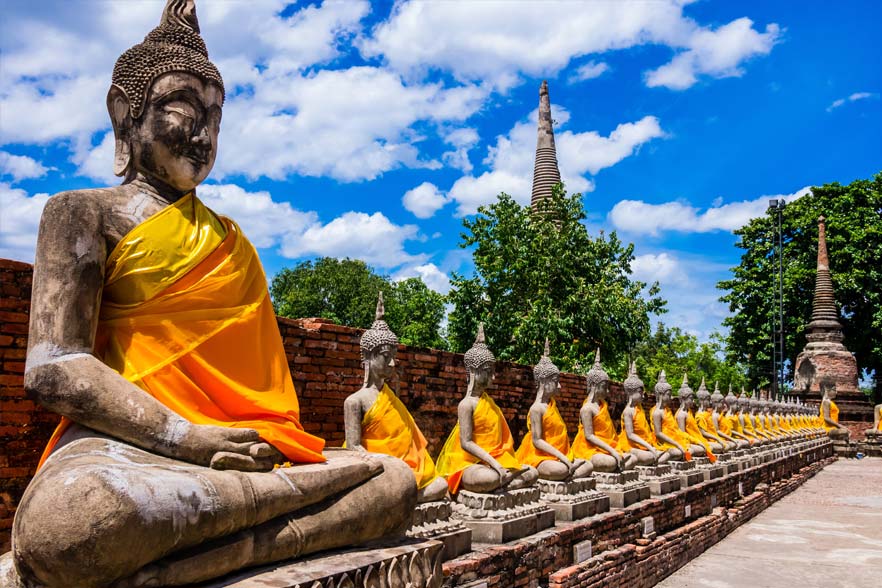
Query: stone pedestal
[(502, 516), (659, 478), (872, 444), (686, 471), (433, 520), (408, 563), (708, 470), (573, 500), (623, 489)]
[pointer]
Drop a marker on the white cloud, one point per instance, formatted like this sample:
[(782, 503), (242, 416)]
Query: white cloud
[(499, 41), (21, 167), (373, 238), (463, 140), (424, 200), (19, 221), (97, 162), (578, 153), (851, 98), (718, 53), (588, 71), (639, 217), (431, 275), (659, 267)]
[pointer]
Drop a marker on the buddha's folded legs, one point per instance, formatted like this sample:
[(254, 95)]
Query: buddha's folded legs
[(644, 458), (100, 509), (552, 469), (697, 450)]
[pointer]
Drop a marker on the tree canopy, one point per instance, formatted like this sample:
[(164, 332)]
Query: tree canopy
[(854, 243), (345, 292), (540, 274)]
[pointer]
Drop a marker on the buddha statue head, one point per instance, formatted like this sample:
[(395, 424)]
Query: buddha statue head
[(703, 395), (165, 103), (480, 363), (743, 401), (731, 400), (633, 386), (827, 387), (685, 394), (546, 374), (597, 380), (717, 399), (755, 403), (379, 346), (663, 390)]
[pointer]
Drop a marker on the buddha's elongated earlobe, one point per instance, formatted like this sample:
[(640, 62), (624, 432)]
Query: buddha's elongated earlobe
[(120, 116)]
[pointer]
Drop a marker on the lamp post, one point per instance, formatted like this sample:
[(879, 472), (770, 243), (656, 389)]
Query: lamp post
[(777, 205)]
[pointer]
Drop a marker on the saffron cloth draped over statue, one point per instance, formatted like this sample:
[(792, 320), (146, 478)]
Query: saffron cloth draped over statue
[(695, 436), (834, 415), (554, 431), (490, 432), (641, 429), (603, 428), (388, 428), (186, 316)]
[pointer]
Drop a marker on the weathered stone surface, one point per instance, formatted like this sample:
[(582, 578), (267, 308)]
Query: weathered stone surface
[(502, 516), (573, 500), (433, 520)]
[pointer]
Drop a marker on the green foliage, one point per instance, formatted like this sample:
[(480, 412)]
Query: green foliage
[(854, 243), (345, 292), (542, 275), (678, 352)]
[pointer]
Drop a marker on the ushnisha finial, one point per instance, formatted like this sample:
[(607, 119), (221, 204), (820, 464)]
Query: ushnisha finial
[(717, 396), (479, 354), (545, 368), (685, 391), (379, 333), (596, 376), (702, 392), (633, 383), (175, 45), (662, 385)]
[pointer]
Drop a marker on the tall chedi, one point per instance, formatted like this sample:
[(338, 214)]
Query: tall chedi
[(545, 172), (825, 356)]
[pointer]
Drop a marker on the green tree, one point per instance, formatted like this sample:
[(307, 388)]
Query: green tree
[(345, 292), (542, 275), (854, 242)]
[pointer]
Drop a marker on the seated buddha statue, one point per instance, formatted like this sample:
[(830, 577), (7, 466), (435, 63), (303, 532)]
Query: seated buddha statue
[(770, 422), (756, 417), (636, 435), (479, 455), (377, 421), (596, 439), (733, 416), (746, 419), (704, 418), (180, 456), (698, 445), (828, 411), (877, 417), (668, 435), (546, 444), (722, 422)]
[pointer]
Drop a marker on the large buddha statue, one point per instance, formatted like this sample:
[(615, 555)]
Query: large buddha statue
[(636, 435), (377, 421), (668, 435), (596, 439), (478, 455), (698, 445), (546, 444), (180, 455)]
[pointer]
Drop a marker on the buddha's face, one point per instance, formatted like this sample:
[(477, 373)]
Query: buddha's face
[(175, 139), (600, 389), (381, 363), (483, 376), (636, 397), (550, 386)]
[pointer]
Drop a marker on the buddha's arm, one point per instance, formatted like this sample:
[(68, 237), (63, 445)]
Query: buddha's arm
[(539, 442), (352, 417), (825, 407), (877, 416), (466, 439), (681, 419), (587, 417), (629, 430), (657, 417), (62, 374), (715, 420)]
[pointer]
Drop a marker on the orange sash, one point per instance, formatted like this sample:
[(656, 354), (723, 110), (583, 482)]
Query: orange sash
[(554, 432), (603, 428)]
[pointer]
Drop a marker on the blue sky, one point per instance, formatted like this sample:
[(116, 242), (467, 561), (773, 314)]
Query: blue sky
[(370, 129)]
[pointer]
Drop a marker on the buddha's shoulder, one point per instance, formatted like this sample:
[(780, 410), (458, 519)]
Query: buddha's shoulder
[(82, 204)]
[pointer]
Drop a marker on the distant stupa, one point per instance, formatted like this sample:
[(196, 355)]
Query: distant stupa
[(545, 171), (825, 355)]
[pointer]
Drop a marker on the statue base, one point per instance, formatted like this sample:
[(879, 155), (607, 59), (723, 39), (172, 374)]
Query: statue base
[(623, 489), (871, 446), (408, 563), (686, 471), (573, 500), (659, 479), (433, 520), (502, 516), (708, 470)]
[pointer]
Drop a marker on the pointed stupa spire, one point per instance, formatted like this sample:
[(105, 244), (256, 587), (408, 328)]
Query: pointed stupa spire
[(545, 171), (380, 314), (825, 323)]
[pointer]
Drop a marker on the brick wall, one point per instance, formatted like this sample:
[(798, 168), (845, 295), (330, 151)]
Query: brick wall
[(326, 367)]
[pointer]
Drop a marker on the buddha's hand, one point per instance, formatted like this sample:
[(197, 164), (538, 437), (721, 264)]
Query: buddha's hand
[(505, 476), (228, 448)]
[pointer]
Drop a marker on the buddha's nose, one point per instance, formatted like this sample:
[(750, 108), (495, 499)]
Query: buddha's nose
[(392, 362), (201, 138)]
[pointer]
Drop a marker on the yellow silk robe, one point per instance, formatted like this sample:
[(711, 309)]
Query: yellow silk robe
[(735, 420), (879, 426), (186, 316), (641, 429), (834, 415), (490, 431), (706, 423), (388, 428), (670, 428), (695, 436), (603, 428), (554, 432)]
